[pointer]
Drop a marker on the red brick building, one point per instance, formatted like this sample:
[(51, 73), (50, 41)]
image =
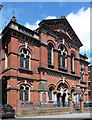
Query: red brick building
[(42, 65)]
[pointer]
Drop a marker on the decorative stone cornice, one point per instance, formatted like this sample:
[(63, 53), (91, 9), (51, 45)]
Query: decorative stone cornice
[(13, 29), (64, 73)]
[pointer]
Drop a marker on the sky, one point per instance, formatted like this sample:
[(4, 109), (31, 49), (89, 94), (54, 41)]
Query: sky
[(30, 14)]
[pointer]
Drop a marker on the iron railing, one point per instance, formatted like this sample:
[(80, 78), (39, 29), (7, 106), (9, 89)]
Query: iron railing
[(43, 104)]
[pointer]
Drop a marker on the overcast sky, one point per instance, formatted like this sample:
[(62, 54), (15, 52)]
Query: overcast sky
[(30, 14)]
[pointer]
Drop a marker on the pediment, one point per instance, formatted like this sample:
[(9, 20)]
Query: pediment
[(61, 27)]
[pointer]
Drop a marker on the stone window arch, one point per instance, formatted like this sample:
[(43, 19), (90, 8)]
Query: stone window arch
[(62, 56), (25, 59)]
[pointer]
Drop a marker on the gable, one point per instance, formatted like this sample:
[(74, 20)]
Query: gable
[(62, 27)]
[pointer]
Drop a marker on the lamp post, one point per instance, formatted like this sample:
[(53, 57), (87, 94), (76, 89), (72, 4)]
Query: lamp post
[(1, 6)]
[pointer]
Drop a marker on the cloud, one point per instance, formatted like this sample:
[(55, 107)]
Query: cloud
[(35, 25), (80, 23), (51, 17), (90, 60)]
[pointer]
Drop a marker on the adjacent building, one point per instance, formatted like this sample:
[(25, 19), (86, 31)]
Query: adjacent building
[(43, 65), (90, 82)]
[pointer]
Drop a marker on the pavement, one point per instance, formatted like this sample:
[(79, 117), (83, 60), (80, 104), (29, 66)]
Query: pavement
[(74, 116)]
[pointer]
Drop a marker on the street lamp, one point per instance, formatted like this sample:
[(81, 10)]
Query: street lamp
[(1, 6)]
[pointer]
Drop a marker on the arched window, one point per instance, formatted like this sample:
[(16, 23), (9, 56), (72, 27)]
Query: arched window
[(50, 54), (72, 62), (24, 93), (25, 59), (62, 59), (21, 92), (50, 93)]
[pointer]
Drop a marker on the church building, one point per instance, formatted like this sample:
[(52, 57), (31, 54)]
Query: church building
[(43, 64)]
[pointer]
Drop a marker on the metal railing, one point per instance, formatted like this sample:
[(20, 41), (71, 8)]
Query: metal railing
[(43, 104)]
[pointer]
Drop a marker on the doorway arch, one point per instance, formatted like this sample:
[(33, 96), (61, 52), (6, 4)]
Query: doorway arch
[(62, 94)]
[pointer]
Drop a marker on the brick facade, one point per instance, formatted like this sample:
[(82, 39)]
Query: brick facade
[(41, 81)]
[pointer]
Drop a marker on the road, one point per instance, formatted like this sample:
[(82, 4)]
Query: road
[(75, 116)]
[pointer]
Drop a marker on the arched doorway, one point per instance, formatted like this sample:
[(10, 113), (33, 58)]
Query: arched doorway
[(62, 94)]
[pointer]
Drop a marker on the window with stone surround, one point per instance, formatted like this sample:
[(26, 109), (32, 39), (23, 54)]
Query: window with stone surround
[(50, 93), (24, 93), (62, 57), (50, 54), (25, 59)]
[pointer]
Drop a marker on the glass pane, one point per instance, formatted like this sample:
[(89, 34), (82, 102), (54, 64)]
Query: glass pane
[(50, 95), (26, 94), (25, 51), (27, 62), (21, 93), (63, 60), (49, 55), (21, 60)]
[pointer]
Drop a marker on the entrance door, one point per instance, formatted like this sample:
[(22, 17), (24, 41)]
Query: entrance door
[(63, 99), (58, 99)]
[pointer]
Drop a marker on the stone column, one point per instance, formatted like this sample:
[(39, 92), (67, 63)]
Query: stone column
[(70, 105), (81, 105), (55, 96)]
